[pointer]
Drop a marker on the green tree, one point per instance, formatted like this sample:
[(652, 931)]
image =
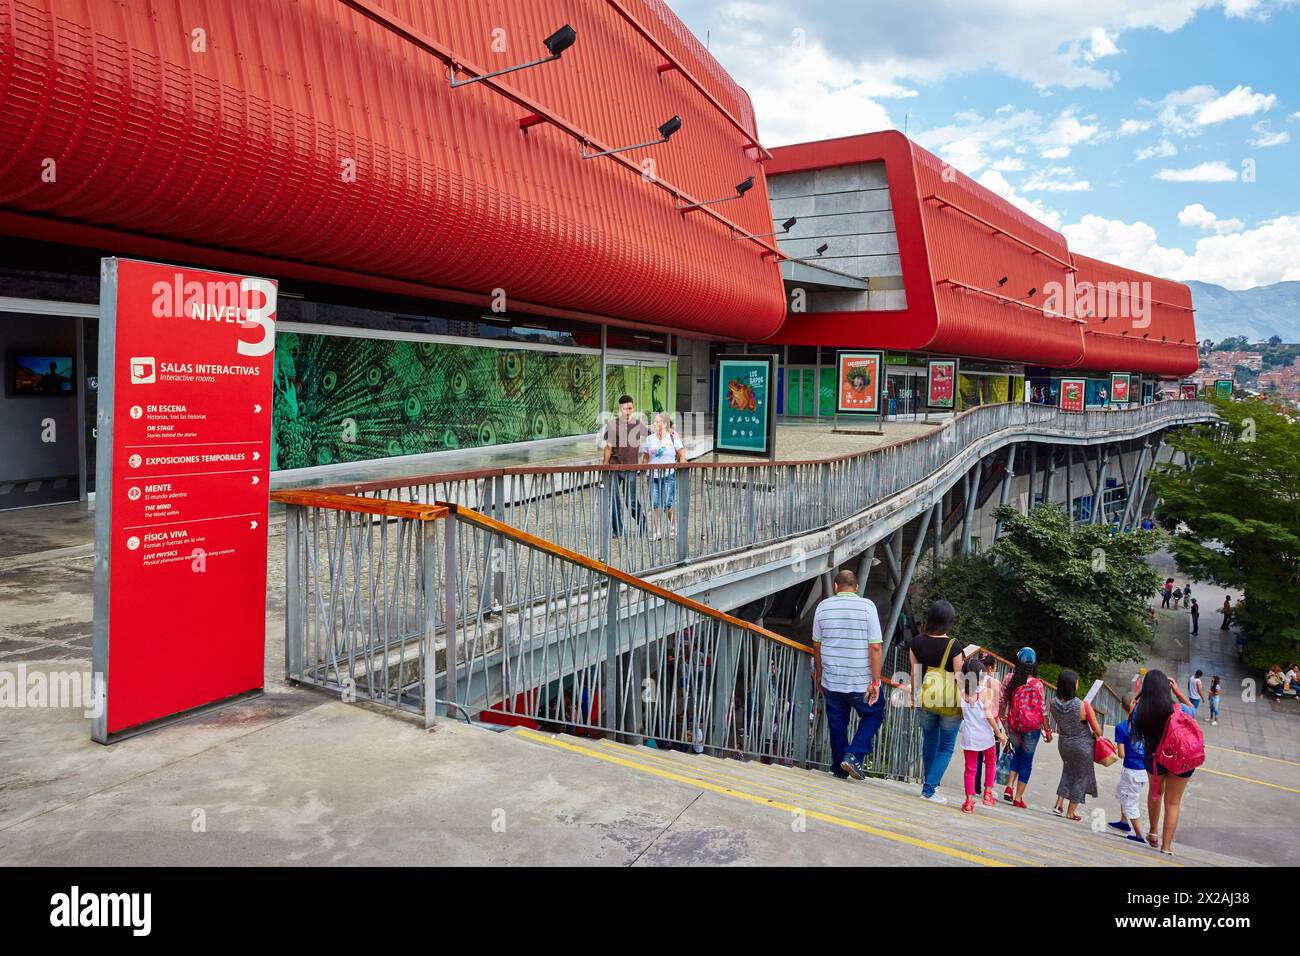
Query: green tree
[(1077, 595), (1238, 516)]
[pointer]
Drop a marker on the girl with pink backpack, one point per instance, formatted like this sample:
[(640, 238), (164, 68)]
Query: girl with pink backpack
[(1175, 747)]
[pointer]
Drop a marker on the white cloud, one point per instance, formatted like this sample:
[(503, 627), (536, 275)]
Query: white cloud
[(996, 182), (1064, 133), (1215, 172), (1198, 217), (1265, 136), (1268, 253), (1187, 112), (1056, 179), (1131, 126), (1161, 149), (1008, 164), (969, 142), (1100, 45)]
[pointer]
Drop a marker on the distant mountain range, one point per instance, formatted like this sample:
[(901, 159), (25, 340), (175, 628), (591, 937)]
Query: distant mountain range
[(1257, 313)]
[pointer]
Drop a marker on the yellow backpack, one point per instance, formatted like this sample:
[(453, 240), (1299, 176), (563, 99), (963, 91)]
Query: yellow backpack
[(939, 688)]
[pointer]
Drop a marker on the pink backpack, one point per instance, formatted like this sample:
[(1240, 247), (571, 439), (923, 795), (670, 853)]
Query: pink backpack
[(1025, 714), (1182, 746)]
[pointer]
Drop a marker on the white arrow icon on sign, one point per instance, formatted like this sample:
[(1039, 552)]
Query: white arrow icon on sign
[(255, 479), (257, 409), (257, 455), (252, 526)]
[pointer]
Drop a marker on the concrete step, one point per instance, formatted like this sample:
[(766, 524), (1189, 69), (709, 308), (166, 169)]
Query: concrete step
[(889, 810)]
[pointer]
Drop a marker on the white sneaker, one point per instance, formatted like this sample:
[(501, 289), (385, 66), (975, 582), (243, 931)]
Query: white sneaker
[(1214, 723), (938, 798)]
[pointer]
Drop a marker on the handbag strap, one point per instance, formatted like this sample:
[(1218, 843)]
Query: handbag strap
[(943, 662)]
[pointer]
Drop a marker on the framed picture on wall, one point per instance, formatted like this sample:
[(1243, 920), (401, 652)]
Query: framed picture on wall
[(35, 373), (859, 382), (1072, 394), (1120, 385), (941, 383), (745, 423), (1223, 387), (1188, 391)]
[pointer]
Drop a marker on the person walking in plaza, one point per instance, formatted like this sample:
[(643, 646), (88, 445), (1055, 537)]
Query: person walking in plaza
[(1194, 691), (1077, 731), (980, 732), (1024, 714), (662, 446), (621, 440), (1215, 693), (1187, 594), (1167, 593), (936, 661), (1155, 716), (847, 662), (1196, 617), (1226, 611), (991, 690), (1132, 776)]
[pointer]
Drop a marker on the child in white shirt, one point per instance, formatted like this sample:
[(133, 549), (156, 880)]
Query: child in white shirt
[(979, 733)]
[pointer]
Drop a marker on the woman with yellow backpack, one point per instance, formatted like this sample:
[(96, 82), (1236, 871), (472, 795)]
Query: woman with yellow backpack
[(936, 663)]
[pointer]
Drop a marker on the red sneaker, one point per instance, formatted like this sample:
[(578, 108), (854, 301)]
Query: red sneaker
[(968, 806), (1008, 796), (1021, 805)]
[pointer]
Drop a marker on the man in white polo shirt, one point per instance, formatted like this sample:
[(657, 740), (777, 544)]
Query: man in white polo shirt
[(848, 657)]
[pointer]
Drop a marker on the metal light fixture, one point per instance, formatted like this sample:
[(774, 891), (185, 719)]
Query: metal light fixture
[(666, 130), (785, 227), (1002, 281), (741, 189), (822, 249), (555, 44)]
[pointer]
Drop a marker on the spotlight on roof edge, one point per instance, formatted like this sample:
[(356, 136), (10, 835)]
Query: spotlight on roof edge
[(785, 227), (555, 44), (822, 249), (1002, 281), (666, 130), (741, 189)]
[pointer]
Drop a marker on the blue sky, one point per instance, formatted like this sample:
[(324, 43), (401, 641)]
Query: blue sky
[(1163, 135)]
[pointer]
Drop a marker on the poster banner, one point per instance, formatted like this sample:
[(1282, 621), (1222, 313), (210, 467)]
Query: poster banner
[(187, 360), (1188, 391), (1119, 388), (1072, 394), (858, 382), (745, 423), (1223, 387), (941, 386)]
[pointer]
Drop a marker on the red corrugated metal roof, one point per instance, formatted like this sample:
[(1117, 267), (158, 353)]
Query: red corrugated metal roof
[(240, 151), (1135, 318), (956, 239)]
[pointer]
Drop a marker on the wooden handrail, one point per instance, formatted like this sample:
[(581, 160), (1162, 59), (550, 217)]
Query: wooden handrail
[(541, 544), (382, 507)]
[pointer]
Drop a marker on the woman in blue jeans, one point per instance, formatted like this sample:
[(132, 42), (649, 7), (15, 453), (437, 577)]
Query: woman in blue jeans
[(1026, 719), (934, 649)]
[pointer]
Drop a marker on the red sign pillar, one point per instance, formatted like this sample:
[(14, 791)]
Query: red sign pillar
[(187, 360)]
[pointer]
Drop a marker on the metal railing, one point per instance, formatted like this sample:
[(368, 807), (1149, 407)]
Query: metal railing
[(619, 513), (431, 609)]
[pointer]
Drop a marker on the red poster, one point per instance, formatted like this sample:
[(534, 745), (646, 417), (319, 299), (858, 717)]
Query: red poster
[(1072, 392), (859, 381), (942, 383), (187, 363), (1188, 391), (1119, 388)]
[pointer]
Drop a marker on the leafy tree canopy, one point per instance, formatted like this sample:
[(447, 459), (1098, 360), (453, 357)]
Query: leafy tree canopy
[(1077, 595), (1237, 514)]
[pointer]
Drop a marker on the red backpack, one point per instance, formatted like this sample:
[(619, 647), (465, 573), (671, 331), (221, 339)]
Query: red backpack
[(1025, 715), (1182, 746)]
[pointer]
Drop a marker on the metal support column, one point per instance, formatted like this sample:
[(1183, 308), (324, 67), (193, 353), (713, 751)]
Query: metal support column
[(1139, 483), (890, 626), (450, 592), (1069, 484), (1032, 451), (609, 692), (1104, 465), (428, 648), (293, 632), (864, 568), (972, 496)]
